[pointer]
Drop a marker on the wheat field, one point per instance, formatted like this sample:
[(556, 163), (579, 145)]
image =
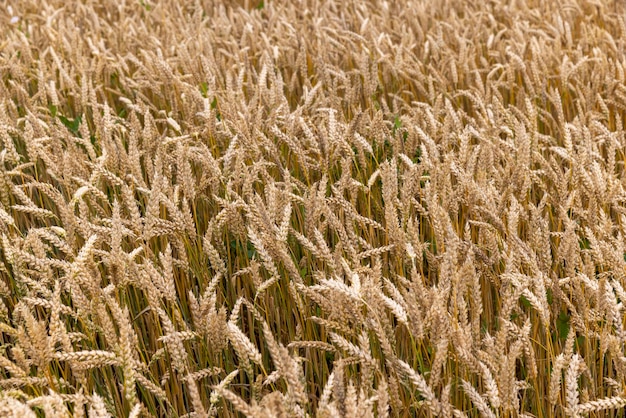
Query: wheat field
[(312, 208)]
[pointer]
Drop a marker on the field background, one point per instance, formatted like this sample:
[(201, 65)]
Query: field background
[(312, 208)]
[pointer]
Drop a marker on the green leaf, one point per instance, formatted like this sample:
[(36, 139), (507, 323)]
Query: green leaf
[(238, 248), (417, 157), (584, 243), (71, 124), (525, 302), (397, 124), (214, 106), (563, 325), (204, 88)]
